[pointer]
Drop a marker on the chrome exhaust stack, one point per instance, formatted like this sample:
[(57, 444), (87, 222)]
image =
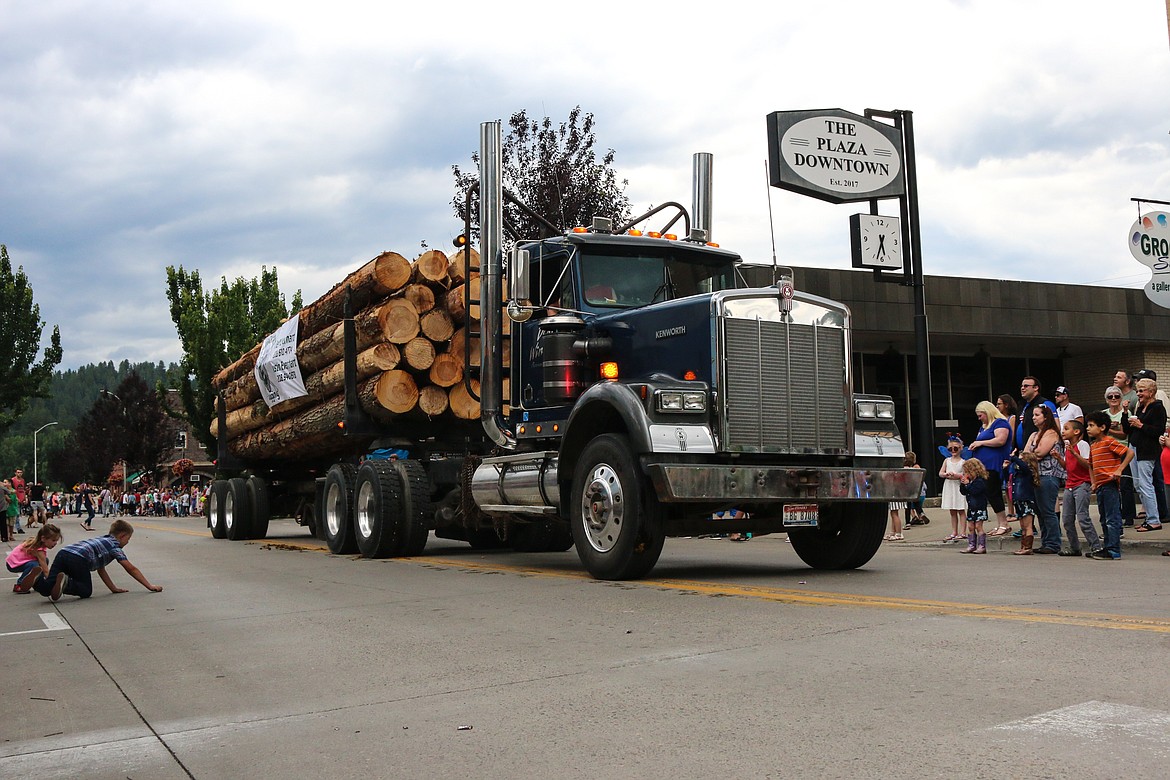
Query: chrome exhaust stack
[(701, 186), (491, 241)]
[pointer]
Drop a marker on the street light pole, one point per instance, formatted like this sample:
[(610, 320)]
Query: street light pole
[(111, 395), (38, 430)]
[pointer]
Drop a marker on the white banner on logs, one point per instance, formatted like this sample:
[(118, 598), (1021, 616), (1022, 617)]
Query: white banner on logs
[(278, 374)]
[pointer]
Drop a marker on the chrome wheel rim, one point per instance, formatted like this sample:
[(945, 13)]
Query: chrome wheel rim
[(603, 508), (364, 511), (333, 510), (229, 512)]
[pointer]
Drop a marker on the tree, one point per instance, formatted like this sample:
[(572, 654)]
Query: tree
[(127, 424), (554, 171), (21, 379), (216, 328)]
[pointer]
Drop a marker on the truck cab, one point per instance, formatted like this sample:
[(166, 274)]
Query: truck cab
[(651, 391)]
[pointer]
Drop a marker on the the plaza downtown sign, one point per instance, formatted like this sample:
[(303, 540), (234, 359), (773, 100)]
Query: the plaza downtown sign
[(834, 155)]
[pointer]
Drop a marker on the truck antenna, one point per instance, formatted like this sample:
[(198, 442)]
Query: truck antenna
[(771, 225)]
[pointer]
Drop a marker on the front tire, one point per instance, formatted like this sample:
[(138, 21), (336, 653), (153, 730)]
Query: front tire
[(237, 510), (847, 537), (337, 512), (614, 518)]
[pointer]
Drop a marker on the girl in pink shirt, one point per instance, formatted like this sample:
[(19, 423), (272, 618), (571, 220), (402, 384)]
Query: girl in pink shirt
[(28, 559)]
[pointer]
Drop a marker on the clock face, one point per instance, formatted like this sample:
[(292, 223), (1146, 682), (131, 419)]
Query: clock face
[(877, 241)]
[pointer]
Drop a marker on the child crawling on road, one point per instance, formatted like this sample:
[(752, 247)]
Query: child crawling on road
[(28, 559), (70, 573)]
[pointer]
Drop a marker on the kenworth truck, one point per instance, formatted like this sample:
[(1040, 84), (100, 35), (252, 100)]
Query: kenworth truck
[(651, 390)]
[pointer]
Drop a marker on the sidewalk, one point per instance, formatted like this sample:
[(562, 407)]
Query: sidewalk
[(1151, 543)]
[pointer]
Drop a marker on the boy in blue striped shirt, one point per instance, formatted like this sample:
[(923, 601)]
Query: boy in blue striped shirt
[(70, 572)]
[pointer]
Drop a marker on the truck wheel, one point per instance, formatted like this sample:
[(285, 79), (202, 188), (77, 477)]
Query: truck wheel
[(614, 517), (377, 509), (417, 508), (846, 538), (258, 502), (309, 519), (337, 512), (237, 511), (215, 508)]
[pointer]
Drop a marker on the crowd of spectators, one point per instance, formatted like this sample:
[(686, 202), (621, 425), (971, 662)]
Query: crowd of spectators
[(1042, 458)]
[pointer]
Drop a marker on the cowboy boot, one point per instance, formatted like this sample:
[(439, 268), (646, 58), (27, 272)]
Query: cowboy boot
[(1025, 545), (981, 545), (970, 544)]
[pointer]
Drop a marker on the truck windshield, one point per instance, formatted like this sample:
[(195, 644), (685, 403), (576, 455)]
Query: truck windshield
[(625, 281)]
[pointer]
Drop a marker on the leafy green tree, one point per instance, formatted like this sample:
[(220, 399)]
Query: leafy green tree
[(21, 378), (555, 171), (128, 423), (215, 328)]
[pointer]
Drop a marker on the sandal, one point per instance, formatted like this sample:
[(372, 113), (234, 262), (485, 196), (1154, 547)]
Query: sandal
[(1000, 531), (1144, 527), (1166, 553)]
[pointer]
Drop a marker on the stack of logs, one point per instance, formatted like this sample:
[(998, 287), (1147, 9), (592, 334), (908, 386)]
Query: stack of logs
[(412, 321)]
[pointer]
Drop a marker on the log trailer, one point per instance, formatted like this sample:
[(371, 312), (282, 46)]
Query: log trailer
[(649, 389)]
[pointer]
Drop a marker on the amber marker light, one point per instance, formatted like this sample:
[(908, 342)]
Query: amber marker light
[(712, 244), (632, 232), (539, 429), (609, 370), (580, 230), (523, 430), (654, 234), (671, 237), (556, 427), (690, 376)]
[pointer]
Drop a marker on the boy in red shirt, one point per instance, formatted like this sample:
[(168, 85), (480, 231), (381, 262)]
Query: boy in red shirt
[(1108, 458), (1076, 490)]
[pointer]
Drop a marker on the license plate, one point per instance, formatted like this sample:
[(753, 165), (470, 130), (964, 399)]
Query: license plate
[(800, 515)]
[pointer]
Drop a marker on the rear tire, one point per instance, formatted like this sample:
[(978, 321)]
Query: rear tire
[(614, 518), (237, 510), (215, 508), (258, 501), (417, 508), (847, 537), (377, 510), (337, 512)]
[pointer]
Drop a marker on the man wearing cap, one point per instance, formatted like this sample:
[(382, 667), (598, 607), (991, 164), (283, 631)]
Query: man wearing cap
[(1066, 411)]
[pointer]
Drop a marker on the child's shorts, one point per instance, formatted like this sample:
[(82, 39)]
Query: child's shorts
[(1024, 506), (976, 515)]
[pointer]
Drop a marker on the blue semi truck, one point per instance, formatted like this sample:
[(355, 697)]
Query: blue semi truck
[(649, 390)]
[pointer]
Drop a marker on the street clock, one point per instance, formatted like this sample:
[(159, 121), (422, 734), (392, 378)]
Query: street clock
[(876, 241)]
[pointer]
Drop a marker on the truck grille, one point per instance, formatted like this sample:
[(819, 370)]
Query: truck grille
[(784, 387)]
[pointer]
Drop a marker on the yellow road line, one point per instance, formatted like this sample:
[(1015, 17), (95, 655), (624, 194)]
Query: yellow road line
[(787, 595)]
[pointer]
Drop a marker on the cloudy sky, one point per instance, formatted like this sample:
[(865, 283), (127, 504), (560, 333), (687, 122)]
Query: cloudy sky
[(224, 136)]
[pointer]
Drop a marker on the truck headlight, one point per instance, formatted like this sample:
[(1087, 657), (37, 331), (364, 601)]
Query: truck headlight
[(874, 410), (680, 401)]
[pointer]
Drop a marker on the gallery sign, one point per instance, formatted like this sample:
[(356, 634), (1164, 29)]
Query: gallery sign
[(1149, 243), (834, 155)]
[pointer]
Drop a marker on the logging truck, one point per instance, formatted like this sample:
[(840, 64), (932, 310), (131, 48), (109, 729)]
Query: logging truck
[(603, 388)]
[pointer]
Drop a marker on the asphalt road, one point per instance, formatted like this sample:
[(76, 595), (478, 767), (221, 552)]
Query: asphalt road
[(275, 659)]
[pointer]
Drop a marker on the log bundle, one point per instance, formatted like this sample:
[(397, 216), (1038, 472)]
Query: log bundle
[(412, 320)]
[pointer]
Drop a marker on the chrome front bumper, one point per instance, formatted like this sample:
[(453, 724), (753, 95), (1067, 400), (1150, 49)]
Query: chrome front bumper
[(692, 483)]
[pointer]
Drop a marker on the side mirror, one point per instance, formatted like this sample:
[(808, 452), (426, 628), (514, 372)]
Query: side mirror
[(519, 288)]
